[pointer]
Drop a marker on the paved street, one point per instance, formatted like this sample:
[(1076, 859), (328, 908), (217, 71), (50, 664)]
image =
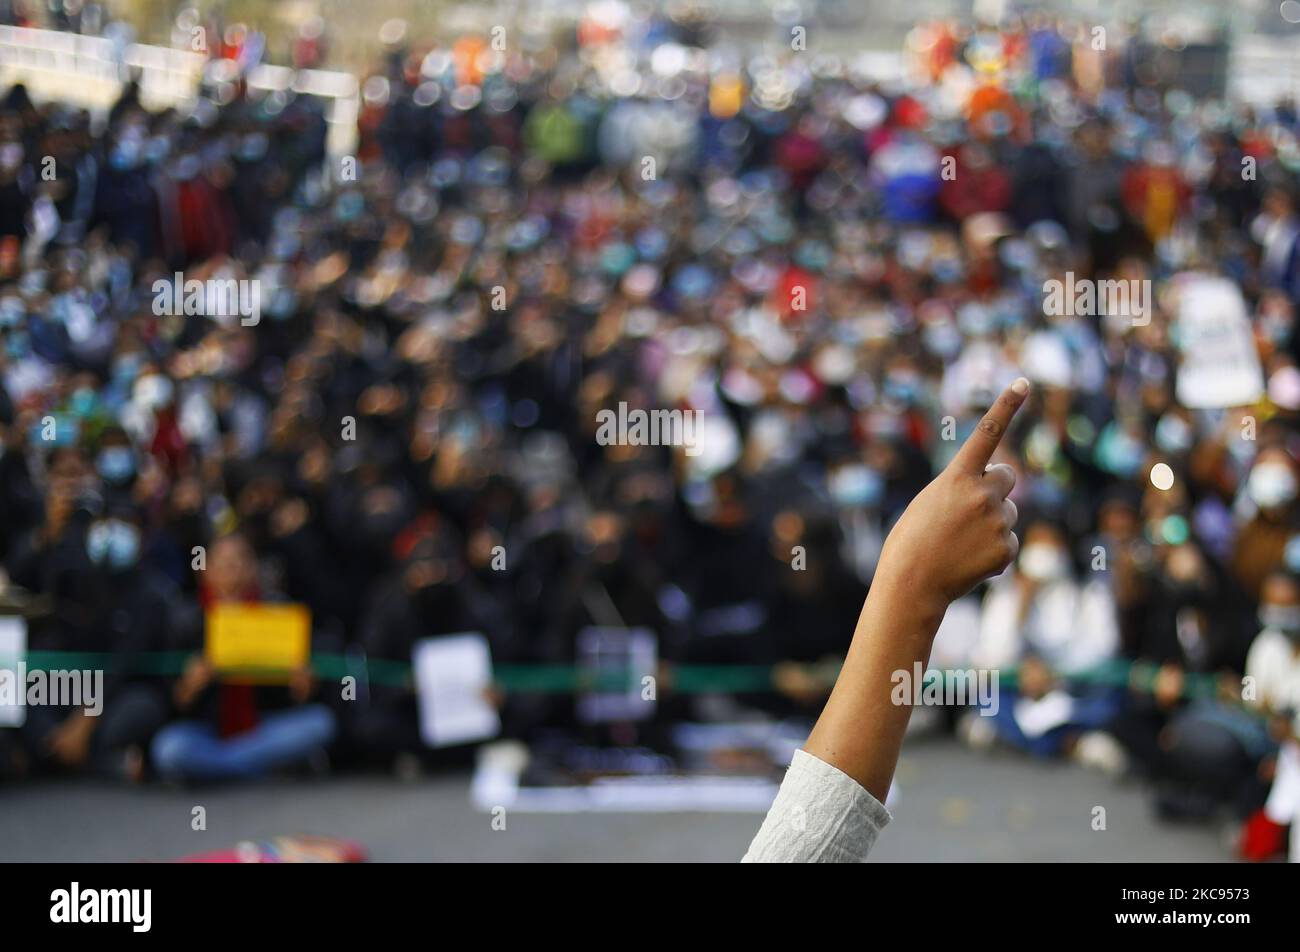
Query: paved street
[(950, 804)]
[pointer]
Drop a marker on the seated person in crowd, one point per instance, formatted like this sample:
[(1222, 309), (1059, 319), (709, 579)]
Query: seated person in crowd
[(117, 610), (1048, 625), (235, 731), (428, 594), (1272, 687), (1186, 633)]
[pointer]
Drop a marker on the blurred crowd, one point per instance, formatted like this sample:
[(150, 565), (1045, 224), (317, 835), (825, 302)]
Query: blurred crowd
[(835, 272)]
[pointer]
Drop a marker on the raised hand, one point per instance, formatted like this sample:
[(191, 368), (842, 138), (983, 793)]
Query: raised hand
[(957, 531)]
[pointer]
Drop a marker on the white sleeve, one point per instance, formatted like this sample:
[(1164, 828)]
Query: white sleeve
[(820, 815)]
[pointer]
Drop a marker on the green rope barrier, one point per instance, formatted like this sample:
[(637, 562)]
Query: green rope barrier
[(568, 679)]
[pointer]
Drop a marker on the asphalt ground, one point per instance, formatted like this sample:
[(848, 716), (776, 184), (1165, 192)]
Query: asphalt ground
[(950, 804)]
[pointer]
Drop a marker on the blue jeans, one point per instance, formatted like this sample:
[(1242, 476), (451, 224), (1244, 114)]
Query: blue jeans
[(192, 750), (1093, 709)]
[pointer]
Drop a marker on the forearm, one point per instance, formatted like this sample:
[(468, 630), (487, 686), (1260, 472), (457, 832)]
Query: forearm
[(830, 806), (861, 730), (954, 534)]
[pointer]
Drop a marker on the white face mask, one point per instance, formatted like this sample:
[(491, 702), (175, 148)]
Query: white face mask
[(11, 154), (1271, 485), (1044, 562), (153, 391), (1283, 618)]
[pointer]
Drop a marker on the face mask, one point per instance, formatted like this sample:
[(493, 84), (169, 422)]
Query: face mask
[(1283, 618), (12, 311), (942, 338), (33, 282), (252, 147), (187, 167), (11, 154), (1173, 435), (1119, 453), (126, 368), (1044, 563), (349, 207), (975, 320), (282, 304), (153, 391), (1276, 328), (83, 402), (125, 155), (856, 486), (1271, 485), (116, 464), (947, 270), (156, 149), (902, 388), (18, 345), (113, 544)]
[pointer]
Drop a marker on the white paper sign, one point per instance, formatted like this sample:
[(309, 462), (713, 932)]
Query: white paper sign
[(1052, 710), (13, 649), (452, 676), (1220, 366)]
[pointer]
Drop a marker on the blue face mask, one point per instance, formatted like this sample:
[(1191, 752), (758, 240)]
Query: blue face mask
[(113, 544), (1119, 453), (903, 388), (282, 304), (126, 369), (975, 320), (947, 270), (116, 464), (348, 207), (156, 149), (942, 339), (1173, 435), (651, 244), (18, 345), (83, 402), (125, 155), (857, 486), (252, 147), (12, 312)]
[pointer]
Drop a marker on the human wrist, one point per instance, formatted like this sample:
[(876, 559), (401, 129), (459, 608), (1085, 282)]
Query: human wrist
[(908, 603)]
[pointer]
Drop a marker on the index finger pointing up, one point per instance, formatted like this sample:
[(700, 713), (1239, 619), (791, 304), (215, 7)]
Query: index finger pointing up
[(979, 446)]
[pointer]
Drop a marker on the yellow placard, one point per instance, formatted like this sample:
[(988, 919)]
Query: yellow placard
[(263, 642)]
